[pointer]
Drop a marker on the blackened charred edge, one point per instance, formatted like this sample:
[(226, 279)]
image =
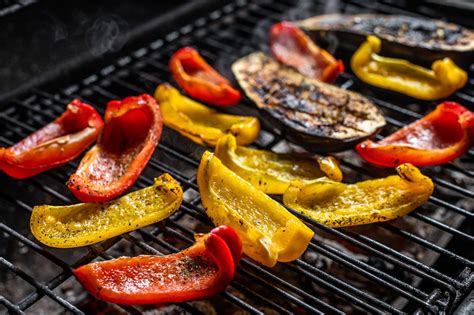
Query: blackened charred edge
[(308, 106)]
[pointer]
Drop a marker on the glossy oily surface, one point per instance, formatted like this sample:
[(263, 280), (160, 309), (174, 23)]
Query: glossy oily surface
[(200, 123), (442, 80), (55, 144), (268, 231), (441, 136), (197, 272), (132, 131), (89, 223), (200, 80), (338, 205), (272, 172), (293, 47)]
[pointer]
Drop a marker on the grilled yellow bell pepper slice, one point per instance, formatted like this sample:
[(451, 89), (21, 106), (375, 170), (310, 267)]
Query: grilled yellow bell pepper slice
[(272, 172), (88, 223), (200, 123), (268, 231), (337, 205), (442, 80)]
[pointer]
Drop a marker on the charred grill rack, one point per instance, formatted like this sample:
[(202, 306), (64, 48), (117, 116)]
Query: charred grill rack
[(421, 263), (11, 6)]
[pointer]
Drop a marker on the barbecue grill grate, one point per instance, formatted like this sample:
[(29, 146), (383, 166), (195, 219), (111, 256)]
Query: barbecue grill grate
[(388, 267), (8, 7)]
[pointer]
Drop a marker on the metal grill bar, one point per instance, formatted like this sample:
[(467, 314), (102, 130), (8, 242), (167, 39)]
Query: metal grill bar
[(39, 286), (65, 200), (440, 225), (422, 217), (142, 183), (147, 65)]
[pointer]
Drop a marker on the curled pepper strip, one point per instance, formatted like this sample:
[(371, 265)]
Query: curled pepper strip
[(441, 136), (338, 205), (54, 144), (291, 46), (268, 231), (272, 172), (442, 80), (197, 272), (88, 223), (200, 123), (199, 80), (131, 133)]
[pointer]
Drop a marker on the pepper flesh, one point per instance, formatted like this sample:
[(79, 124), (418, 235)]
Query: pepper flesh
[(290, 45), (199, 80), (338, 205), (441, 136), (268, 231), (88, 223), (272, 172), (442, 80), (200, 123), (131, 133), (54, 144), (197, 272)]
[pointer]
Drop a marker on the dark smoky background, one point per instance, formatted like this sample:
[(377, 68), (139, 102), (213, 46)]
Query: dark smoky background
[(41, 39)]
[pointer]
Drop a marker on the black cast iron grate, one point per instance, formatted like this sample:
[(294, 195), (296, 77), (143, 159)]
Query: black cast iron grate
[(8, 7), (405, 266)]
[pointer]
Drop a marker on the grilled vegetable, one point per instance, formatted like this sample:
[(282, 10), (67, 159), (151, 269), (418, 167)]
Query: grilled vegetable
[(197, 272), (88, 223), (200, 80), (269, 232), (317, 115), (417, 39), (399, 75), (337, 205), (131, 133), (200, 123), (55, 144), (272, 172), (441, 136), (291, 46)]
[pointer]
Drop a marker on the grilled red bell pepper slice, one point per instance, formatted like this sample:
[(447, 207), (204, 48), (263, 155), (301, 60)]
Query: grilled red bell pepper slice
[(131, 133), (200, 81), (291, 46), (197, 272), (54, 144), (441, 136)]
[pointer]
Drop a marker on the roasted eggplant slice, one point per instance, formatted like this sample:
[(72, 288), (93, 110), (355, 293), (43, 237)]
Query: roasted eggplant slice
[(417, 39), (316, 115)]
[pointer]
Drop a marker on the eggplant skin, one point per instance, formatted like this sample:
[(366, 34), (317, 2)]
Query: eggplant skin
[(316, 115), (403, 36)]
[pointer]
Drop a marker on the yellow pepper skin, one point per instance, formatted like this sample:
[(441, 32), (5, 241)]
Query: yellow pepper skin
[(88, 223), (268, 231), (272, 172), (338, 205), (442, 80), (200, 123)]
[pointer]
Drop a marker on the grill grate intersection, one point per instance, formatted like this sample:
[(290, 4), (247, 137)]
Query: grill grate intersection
[(140, 73)]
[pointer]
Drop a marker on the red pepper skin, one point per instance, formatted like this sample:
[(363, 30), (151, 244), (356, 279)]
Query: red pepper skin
[(54, 144), (197, 272), (291, 46), (200, 81), (232, 239), (132, 131), (441, 136)]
